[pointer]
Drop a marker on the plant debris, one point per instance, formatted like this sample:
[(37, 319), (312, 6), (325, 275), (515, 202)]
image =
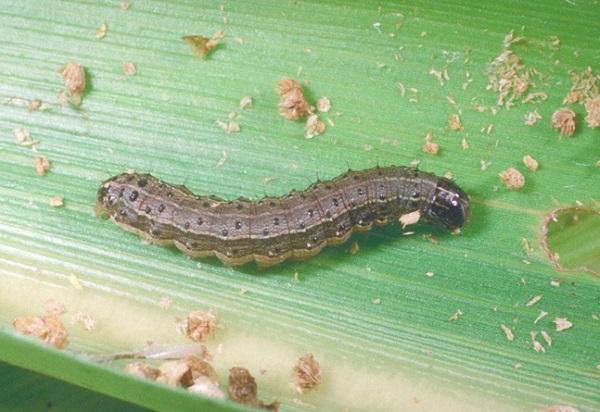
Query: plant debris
[(546, 337), (292, 104), (129, 69), (202, 46), (509, 77), (54, 307), (314, 126), (242, 389), (454, 123), (56, 201), (245, 102), (585, 86), (541, 316), (35, 104), (531, 118), (324, 104), (42, 165), (533, 300), (537, 346), (199, 325), (86, 321), (562, 324), (142, 370), (530, 163), (23, 138), (429, 147), (507, 332), (101, 31), (409, 218), (455, 316), (592, 107), (307, 373), (47, 328), (563, 120), (512, 178), (229, 127), (354, 248), (73, 75)]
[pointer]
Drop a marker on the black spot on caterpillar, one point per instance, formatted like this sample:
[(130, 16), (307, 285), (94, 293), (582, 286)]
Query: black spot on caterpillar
[(297, 225)]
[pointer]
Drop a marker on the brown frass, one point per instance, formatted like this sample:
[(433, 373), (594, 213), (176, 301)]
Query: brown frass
[(297, 225)]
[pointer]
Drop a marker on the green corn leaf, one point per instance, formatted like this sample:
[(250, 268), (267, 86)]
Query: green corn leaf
[(407, 321)]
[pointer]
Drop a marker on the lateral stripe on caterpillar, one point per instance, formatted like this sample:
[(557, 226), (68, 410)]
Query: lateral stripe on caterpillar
[(273, 229)]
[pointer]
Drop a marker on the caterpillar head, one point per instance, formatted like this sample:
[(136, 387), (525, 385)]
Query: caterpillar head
[(449, 206)]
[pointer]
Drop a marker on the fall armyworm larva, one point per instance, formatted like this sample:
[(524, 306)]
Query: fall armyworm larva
[(297, 225)]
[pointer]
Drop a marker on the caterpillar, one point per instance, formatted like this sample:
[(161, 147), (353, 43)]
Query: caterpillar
[(269, 231)]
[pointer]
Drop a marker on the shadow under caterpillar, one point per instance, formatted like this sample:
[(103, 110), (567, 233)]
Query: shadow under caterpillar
[(269, 231)]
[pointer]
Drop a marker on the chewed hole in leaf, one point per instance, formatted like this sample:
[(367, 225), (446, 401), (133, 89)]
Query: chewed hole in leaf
[(571, 238)]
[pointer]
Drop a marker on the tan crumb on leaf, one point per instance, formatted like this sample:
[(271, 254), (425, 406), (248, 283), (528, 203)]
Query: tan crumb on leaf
[(541, 316), (429, 146), (242, 389), (306, 373), (74, 281), (598, 164), (202, 46), (512, 178), (455, 316), (197, 368), (22, 136), (454, 123), (171, 372), (245, 102), (354, 248), (34, 104), (537, 346), (199, 325), (585, 86), (125, 5), (73, 75), (86, 321), (376, 301), (592, 107), (129, 69), (533, 300), (324, 104), (229, 127), (546, 337), (507, 332), (410, 218), (54, 307), (531, 118), (530, 163), (562, 324), (142, 370), (292, 104), (203, 385), (314, 126), (101, 31), (563, 120), (56, 201), (42, 165), (465, 144), (47, 328)]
